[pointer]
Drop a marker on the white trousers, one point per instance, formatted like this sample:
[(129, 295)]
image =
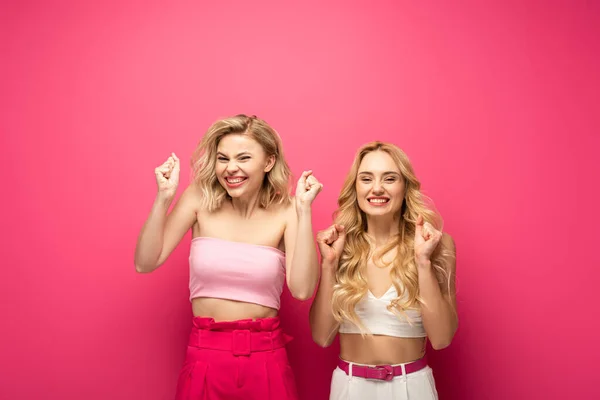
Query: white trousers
[(419, 385)]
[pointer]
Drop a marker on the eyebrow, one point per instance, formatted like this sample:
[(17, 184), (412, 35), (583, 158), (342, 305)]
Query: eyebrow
[(237, 155), (385, 173)]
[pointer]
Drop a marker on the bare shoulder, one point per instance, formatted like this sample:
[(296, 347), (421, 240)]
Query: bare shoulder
[(288, 217), (286, 209), (190, 198), (193, 190)]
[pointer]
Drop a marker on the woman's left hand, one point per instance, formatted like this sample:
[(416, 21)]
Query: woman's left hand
[(426, 240), (307, 189)]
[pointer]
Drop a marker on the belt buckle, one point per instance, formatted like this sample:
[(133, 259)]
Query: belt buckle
[(383, 372), (240, 342)]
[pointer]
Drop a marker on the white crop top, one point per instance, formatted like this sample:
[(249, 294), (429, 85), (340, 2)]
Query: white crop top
[(378, 320)]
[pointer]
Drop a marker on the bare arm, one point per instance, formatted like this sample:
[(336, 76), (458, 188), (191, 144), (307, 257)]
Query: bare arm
[(439, 317), (323, 325), (162, 233), (302, 264)]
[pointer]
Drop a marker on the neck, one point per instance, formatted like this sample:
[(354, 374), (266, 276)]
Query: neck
[(245, 206), (382, 228)]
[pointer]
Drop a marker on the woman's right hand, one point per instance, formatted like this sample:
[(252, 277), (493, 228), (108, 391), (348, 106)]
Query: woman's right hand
[(331, 244), (167, 177)]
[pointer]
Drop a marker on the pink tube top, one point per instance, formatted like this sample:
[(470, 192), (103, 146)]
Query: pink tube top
[(237, 271)]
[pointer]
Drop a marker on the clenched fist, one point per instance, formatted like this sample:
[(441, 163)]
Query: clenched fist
[(426, 240), (167, 177), (307, 189), (331, 244)]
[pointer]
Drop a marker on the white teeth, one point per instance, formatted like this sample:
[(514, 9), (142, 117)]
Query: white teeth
[(236, 180), (378, 200)]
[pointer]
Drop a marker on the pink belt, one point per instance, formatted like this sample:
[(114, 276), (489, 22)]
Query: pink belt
[(238, 337), (382, 372)]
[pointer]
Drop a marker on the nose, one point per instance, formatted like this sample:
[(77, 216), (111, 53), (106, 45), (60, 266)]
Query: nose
[(377, 188), (232, 167)]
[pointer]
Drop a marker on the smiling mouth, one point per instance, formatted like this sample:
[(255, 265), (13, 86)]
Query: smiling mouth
[(233, 181), (378, 201)]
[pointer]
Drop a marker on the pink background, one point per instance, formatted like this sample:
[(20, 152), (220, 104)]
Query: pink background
[(496, 103)]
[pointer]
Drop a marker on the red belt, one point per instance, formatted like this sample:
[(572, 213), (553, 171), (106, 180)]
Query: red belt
[(382, 372)]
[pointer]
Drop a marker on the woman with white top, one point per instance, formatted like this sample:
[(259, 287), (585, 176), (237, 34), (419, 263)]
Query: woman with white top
[(387, 282)]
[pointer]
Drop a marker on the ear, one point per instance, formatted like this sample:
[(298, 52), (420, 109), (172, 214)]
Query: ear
[(270, 163)]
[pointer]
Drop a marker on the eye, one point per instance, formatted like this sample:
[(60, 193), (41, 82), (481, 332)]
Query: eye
[(244, 158), (390, 179), (365, 179), (221, 158)]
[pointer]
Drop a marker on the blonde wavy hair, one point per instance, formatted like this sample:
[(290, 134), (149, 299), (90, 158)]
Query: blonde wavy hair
[(351, 284), (276, 185)]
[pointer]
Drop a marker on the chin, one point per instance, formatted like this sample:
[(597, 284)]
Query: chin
[(234, 193), (380, 212), (377, 213)]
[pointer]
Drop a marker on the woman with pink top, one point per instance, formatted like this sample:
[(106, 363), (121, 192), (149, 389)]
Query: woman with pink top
[(387, 282), (249, 236)]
